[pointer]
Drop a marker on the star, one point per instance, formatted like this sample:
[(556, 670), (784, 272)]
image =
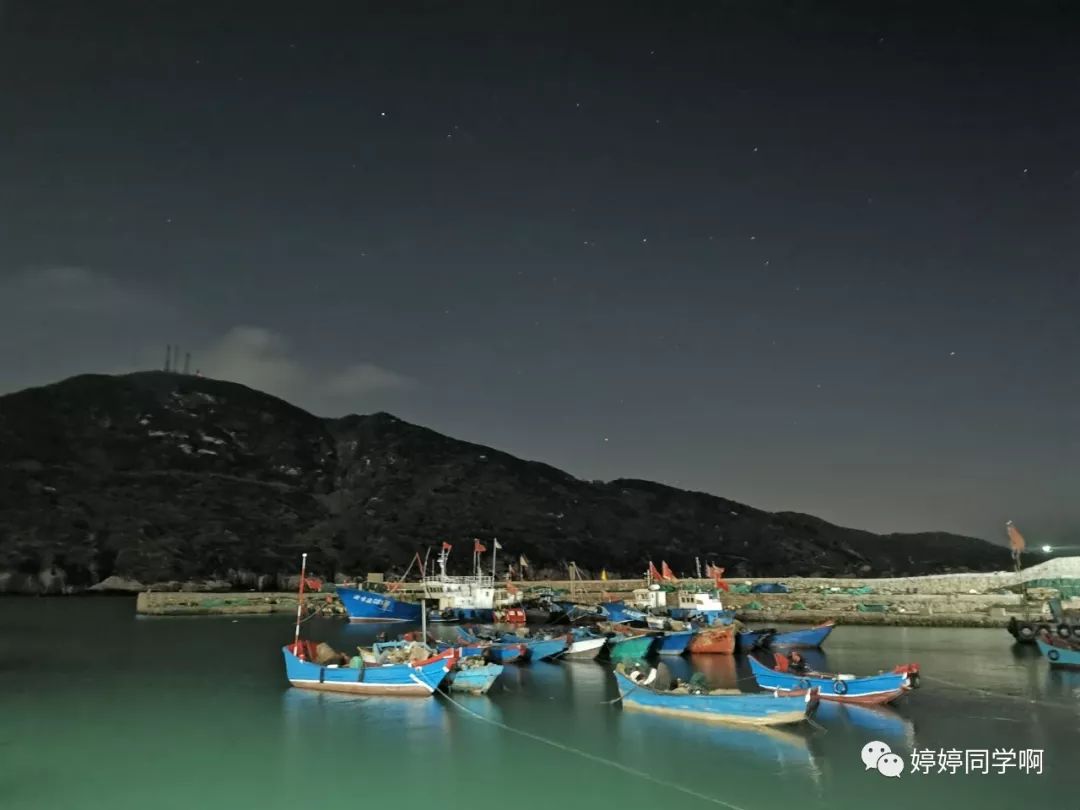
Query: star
[(753, 238), (382, 115), (755, 148), (643, 241), (952, 354), (605, 438)]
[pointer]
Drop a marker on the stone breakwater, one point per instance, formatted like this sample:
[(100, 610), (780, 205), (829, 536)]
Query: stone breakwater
[(948, 600)]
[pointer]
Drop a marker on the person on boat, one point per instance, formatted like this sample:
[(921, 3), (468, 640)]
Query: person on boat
[(797, 664)]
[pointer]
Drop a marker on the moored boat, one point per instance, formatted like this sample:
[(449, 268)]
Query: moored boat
[(619, 611), (747, 640), (879, 689), (674, 642), (584, 646), (624, 647), (720, 705), (808, 638), (417, 679), (368, 606), (1058, 653), (473, 676), (712, 640)]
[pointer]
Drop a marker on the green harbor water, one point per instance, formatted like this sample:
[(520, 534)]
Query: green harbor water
[(101, 709)]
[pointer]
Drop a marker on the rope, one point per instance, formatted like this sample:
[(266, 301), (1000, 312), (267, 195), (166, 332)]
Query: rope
[(989, 693), (594, 758)]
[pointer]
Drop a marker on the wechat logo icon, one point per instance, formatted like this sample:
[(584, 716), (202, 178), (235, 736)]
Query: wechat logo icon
[(877, 756)]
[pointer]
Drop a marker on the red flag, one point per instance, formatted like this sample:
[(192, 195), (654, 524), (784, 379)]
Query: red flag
[(665, 572), (1016, 540), (446, 546), (718, 578), (653, 573), (312, 584), (478, 547)]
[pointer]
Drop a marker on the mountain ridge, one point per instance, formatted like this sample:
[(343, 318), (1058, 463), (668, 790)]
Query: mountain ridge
[(157, 476)]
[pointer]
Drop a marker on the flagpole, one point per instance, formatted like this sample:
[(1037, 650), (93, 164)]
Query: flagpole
[(494, 551), (299, 605)]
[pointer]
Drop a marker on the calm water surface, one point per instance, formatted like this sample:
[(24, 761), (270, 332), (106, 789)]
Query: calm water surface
[(101, 709)]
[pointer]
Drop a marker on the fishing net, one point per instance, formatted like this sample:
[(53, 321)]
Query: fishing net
[(325, 654)]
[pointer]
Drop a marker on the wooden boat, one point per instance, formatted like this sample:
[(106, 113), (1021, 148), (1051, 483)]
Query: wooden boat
[(620, 612), (419, 679), (1059, 653), (868, 690), (719, 705), (747, 640), (714, 640), (668, 642), (584, 646), (809, 638), (625, 647), (474, 678)]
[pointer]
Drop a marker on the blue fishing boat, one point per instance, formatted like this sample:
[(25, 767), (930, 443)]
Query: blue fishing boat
[(507, 653), (539, 648), (474, 677), (810, 637), (747, 640), (720, 705), (1065, 657), (619, 612), (877, 689), (368, 606), (673, 642), (419, 679)]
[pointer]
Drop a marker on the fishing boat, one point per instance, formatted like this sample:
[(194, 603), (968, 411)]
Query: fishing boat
[(720, 705), (473, 676), (712, 640), (747, 640), (453, 598), (683, 605), (1058, 653), (877, 689), (619, 611), (668, 641), (809, 638), (543, 649), (626, 647), (419, 679), (495, 651), (584, 646)]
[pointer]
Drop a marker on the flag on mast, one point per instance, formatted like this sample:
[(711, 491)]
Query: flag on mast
[(478, 547), (1016, 540), (718, 579), (653, 573), (666, 573), (603, 575)]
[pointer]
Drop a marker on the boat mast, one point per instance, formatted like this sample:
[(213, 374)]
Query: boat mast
[(299, 605)]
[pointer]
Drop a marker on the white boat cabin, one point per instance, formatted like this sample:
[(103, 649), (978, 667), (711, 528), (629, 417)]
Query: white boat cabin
[(654, 597)]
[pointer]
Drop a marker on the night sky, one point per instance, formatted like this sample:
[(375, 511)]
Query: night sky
[(805, 258)]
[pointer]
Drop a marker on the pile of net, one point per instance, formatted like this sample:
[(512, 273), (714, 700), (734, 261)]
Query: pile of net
[(408, 653)]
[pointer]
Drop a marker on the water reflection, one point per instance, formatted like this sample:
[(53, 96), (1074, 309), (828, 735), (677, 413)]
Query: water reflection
[(871, 722)]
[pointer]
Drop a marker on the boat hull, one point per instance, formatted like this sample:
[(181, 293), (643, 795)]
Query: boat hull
[(368, 606), (475, 680), (744, 709), (712, 641), (507, 653), (873, 690), (674, 642), (808, 639), (619, 612), (545, 649), (749, 640), (629, 648), (405, 680), (585, 649), (1060, 657)]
